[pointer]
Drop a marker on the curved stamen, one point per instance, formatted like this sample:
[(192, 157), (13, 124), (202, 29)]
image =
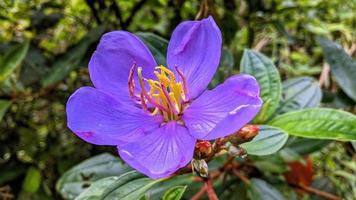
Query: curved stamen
[(166, 96), (131, 83), (144, 93), (169, 100), (167, 71), (184, 80)]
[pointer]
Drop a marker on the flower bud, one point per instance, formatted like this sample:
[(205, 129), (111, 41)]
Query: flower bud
[(200, 167), (203, 149), (248, 131), (245, 134)]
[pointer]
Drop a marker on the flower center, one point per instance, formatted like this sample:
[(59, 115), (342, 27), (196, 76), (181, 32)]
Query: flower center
[(165, 96)]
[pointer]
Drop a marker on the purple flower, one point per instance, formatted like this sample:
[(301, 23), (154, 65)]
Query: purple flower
[(154, 114)]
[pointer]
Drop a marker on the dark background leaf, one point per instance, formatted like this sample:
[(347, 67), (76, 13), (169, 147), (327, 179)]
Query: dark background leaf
[(342, 66)]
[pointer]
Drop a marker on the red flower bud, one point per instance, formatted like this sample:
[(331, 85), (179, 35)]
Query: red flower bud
[(203, 149), (248, 131), (245, 134)]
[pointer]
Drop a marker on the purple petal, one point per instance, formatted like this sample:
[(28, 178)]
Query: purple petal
[(160, 153), (110, 64), (195, 47), (100, 119), (225, 109)]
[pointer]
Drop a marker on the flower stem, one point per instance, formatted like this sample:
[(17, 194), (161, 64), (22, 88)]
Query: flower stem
[(201, 193), (241, 177), (318, 192), (210, 189)]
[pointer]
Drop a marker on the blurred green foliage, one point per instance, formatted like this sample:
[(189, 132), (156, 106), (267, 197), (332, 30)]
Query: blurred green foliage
[(45, 46)]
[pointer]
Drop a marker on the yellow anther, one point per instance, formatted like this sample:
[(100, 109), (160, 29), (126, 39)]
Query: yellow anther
[(160, 97), (152, 83), (174, 101), (162, 78), (177, 90), (167, 71), (144, 94), (165, 96)]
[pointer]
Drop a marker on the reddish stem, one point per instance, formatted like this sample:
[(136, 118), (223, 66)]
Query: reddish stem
[(319, 192), (210, 189), (199, 194), (242, 177)]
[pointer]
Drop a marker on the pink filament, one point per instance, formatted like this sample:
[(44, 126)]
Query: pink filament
[(131, 83), (184, 80)]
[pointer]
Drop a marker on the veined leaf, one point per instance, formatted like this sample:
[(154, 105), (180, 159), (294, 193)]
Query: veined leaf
[(158, 190), (97, 188), (12, 59), (175, 193), (320, 123), (268, 141), (131, 185), (343, 67), (76, 180), (109, 186), (267, 75), (299, 93)]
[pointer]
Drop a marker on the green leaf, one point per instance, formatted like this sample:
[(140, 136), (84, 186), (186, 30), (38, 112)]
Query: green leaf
[(4, 106), (96, 189), (268, 141), (131, 185), (305, 146), (264, 191), (34, 66), (227, 59), (109, 186), (343, 67), (12, 59), (320, 123), (77, 179), (159, 189), (157, 46), (299, 93), (175, 193), (289, 155), (32, 180), (232, 190), (225, 68), (267, 75), (267, 165), (71, 60)]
